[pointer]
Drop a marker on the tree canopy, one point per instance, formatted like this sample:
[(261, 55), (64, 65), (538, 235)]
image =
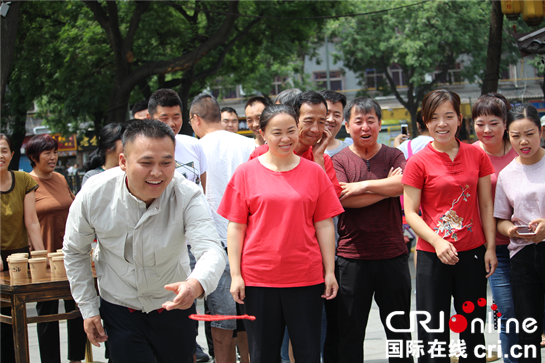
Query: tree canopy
[(432, 36), (85, 61)]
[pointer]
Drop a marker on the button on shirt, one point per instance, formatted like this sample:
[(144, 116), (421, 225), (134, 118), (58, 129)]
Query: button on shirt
[(139, 249)]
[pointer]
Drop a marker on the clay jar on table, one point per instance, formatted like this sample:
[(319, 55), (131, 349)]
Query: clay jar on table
[(38, 254), (57, 266), (51, 255), (38, 267), (18, 268), (14, 257)]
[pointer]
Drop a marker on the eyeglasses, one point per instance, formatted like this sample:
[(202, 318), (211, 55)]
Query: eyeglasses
[(192, 115)]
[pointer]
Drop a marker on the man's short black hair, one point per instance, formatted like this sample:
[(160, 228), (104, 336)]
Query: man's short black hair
[(206, 107), (229, 109), (362, 104), (152, 129), (258, 99), (334, 97), (163, 97), (139, 106), (310, 97)]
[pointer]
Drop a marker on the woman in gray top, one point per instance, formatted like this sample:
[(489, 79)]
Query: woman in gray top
[(520, 212)]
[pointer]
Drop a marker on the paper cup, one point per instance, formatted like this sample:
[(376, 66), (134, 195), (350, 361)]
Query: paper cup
[(19, 255), (18, 268), (51, 255), (60, 250), (58, 267), (38, 254), (38, 267)]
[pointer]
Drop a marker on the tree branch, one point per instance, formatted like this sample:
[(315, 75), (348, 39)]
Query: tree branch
[(100, 15), (109, 22), (182, 11), (196, 12), (141, 8), (187, 60), (113, 16), (8, 35), (393, 85), (215, 68)]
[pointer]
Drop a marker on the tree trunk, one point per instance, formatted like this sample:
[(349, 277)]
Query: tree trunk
[(118, 106), (543, 87), (493, 55), (185, 89), (8, 35), (17, 138), (414, 127), (97, 121)]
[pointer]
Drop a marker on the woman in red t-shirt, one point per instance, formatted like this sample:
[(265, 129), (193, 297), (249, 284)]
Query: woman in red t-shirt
[(450, 182), (281, 242)]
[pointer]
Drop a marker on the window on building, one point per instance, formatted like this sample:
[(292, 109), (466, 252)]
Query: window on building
[(397, 75), (335, 80), (219, 91), (279, 84), (452, 76), (372, 78), (505, 74), (229, 92)]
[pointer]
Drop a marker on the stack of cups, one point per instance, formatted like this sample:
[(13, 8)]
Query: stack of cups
[(18, 266), (38, 254), (50, 256), (58, 266), (38, 266)]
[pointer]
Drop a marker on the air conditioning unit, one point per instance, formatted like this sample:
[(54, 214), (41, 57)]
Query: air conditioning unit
[(39, 130)]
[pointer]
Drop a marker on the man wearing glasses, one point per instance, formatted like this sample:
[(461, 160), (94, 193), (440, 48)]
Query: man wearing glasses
[(229, 119)]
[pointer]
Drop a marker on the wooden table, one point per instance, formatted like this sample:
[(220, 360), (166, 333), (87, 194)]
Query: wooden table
[(21, 291)]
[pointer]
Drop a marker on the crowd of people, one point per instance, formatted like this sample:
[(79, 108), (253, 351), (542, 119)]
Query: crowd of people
[(293, 226)]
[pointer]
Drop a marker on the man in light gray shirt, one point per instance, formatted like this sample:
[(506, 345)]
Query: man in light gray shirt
[(142, 214)]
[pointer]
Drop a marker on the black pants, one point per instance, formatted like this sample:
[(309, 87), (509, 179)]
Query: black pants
[(7, 351), (528, 284), (48, 333), (435, 284), (298, 308), (137, 337), (331, 344), (389, 281)]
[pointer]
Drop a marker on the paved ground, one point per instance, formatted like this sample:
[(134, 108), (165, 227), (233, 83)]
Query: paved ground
[(375, 343)]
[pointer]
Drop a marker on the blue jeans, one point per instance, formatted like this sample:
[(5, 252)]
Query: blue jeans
[(500, 284)]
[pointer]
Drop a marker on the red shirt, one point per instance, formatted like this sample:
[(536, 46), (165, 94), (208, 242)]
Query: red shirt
[(280, 208), (374, 232), (328, 165), (449, 199), (498, 162)]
